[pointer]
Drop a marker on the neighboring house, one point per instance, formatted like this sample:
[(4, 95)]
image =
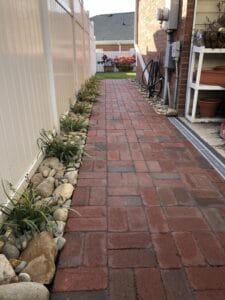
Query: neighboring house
[(151, 41), (114, 32)]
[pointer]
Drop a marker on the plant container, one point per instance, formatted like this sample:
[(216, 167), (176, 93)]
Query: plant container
[(108, 69), (208, 107), (213, 77)]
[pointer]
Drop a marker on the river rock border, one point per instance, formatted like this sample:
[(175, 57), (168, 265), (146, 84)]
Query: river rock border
[(27, 263)]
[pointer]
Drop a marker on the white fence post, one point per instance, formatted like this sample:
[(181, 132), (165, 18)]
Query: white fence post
[(48, 54)]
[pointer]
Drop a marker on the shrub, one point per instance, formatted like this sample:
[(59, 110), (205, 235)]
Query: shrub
[(23, 215), (81, 108), (89, 91), (53, 145), (69, 124)]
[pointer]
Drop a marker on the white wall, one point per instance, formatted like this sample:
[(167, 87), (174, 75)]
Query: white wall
[(40, 55), (205, 9)]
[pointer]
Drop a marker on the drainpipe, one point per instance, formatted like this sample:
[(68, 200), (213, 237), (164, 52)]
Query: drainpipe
[(176, 84)]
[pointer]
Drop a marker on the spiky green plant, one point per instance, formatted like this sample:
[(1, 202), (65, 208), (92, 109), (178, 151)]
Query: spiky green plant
[(22, 213), (69, 124), (81, 108), (85, 95), (53, 145), (89, 91)]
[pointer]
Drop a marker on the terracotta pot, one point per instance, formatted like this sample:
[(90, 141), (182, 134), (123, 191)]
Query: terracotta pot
[(213, 77), (219, 68), (208, 107), (108, 68)]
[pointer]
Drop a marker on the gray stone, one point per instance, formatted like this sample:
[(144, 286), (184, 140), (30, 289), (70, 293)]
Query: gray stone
[(70, 169), (57, 228), (64, 180), (24, 291), (36, 179), (10, 251), (37, 198), (46, 188), (50, 201), (23, 241), (1, 245), (11, 236), (6, 270), (51, 162), (46, 172), (60, 167), (67, 204), (64, 191), (18, 243), (60, 214), (59, 174), (24, 277), (60, 242), (52, 173), (72, 177), (77, 165), (29, 235), (20, 267)]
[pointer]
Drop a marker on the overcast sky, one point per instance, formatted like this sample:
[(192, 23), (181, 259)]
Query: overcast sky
[(98, 7)]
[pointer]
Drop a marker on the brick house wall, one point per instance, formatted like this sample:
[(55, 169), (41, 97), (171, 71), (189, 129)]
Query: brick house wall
[(151, 40), (115, 47)]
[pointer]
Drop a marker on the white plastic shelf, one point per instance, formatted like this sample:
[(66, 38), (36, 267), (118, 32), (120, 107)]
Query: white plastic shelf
[(193, 87)]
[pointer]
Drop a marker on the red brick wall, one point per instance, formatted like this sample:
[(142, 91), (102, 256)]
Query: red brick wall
[(151, 40), (115, 47), (108, 47), (127, 47)]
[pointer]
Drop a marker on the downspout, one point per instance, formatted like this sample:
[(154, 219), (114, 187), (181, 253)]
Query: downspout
[(176, 84), (166, 72)]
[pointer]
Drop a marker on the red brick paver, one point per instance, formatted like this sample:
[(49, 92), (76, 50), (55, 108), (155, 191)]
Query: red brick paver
[(152, 210)]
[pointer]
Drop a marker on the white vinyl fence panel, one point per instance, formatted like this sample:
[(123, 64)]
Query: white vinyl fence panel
[(61, 35), (41, 58)]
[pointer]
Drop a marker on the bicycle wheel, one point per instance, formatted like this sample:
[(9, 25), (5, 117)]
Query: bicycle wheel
[(155, 84), (157, 87), (147, 68)]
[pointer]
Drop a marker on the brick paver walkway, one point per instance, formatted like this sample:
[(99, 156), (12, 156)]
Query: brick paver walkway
[(152, 222)]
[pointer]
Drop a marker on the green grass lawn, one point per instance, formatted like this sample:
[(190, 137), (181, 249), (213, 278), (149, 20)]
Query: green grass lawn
[(116, 75)]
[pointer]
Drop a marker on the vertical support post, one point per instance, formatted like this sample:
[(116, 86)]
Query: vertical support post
[(196, 92), (43, 6), (83, 43), (190, 80), (74, 50)]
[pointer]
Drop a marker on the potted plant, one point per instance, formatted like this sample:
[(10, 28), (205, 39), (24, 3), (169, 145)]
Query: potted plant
[(125, 63), (208, 107), (108, 63), (214, 34)]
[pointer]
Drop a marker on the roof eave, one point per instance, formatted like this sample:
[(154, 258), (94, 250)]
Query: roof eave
[(111, 42)]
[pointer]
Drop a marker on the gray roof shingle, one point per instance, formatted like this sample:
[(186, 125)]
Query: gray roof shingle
[(114, 26)]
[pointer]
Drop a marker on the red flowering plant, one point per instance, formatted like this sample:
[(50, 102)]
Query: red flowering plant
[(124, 62)]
